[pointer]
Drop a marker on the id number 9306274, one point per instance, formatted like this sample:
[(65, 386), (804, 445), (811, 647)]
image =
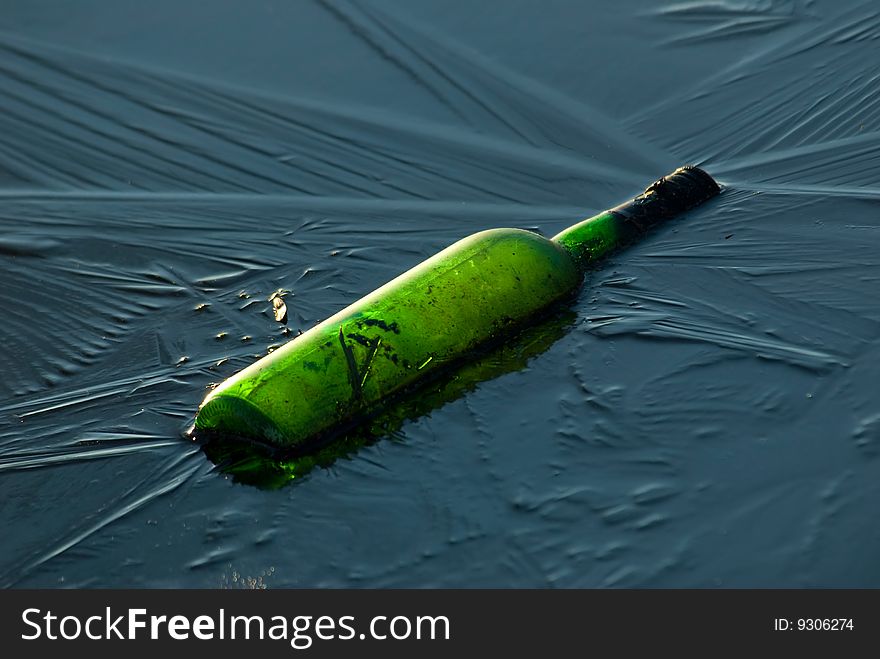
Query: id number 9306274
[(813, 624)]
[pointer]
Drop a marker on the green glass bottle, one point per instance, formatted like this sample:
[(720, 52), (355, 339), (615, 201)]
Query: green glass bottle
[(469, 296)]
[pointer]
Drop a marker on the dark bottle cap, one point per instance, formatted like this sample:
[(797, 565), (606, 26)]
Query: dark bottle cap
[(673, 194)]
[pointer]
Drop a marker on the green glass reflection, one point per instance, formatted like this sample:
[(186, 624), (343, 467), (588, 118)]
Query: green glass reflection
[(267, 467)]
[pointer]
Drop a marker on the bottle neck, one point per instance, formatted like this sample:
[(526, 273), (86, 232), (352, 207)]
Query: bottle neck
[(598, 236)]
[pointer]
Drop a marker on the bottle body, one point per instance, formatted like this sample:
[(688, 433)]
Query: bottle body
[(478, 290)]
